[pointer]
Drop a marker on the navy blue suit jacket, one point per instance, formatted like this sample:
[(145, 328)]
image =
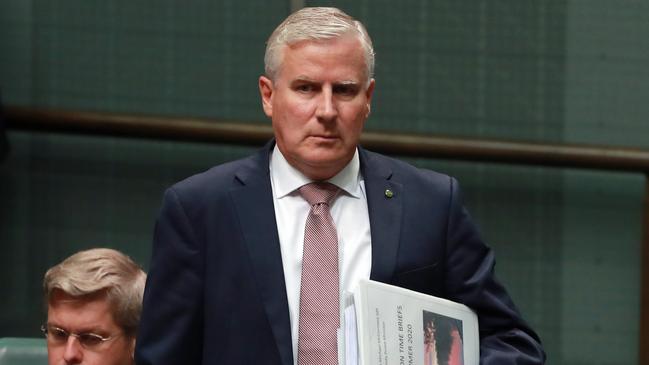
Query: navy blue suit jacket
[(216, 295)]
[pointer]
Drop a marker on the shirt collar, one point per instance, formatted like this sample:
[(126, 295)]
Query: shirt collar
[(286, 178)]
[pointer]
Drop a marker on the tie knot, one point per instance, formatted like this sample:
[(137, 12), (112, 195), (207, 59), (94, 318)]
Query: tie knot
[(319, 192)]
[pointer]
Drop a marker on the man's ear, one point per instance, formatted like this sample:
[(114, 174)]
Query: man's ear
[(368, 96), (266, 91)]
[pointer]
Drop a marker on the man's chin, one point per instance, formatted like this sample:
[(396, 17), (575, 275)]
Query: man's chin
[(323, 157)]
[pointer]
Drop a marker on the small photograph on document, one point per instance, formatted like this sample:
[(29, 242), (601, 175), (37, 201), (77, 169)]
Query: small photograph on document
[(442, 340)]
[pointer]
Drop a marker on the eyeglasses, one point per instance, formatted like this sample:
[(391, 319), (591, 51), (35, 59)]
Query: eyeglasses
[(89, 340)]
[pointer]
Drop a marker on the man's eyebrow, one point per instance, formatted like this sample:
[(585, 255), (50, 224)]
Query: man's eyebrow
[(302, 78), (310, 80), (81, 329), (347, 82), (53, 324)]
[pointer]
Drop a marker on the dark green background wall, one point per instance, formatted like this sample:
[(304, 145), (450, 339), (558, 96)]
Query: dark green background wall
[(566, 71)]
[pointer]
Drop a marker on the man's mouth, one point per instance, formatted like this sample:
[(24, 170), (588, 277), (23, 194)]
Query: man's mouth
[(324, 137)]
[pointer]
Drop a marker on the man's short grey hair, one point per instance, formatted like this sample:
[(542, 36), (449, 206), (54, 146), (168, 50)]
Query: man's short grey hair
[(101, 270), (317, 24)]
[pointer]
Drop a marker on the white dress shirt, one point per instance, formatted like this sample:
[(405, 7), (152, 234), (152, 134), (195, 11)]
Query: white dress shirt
[(349, 213)]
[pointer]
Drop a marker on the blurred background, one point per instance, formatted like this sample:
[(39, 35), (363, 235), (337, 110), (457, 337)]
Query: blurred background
[(567, 241)]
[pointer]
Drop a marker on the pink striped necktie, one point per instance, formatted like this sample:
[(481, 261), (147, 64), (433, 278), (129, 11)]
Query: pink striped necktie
[(319, 298)]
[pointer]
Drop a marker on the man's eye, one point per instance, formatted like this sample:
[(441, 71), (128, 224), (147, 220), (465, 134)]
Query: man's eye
[(345, 90), (306, 88), (58, 334), (90, 339)]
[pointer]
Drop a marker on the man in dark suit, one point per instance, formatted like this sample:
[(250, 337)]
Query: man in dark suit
[(227, 282)]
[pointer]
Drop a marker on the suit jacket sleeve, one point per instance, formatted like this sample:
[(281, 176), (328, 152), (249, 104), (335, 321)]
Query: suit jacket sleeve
[(171, 323), (505, 338)]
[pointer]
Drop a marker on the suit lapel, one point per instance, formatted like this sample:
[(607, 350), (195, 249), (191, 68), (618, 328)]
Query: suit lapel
[(254, 204), (384, 203)]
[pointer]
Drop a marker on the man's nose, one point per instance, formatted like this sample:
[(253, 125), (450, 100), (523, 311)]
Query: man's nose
[(73, 351), (326, 109)]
